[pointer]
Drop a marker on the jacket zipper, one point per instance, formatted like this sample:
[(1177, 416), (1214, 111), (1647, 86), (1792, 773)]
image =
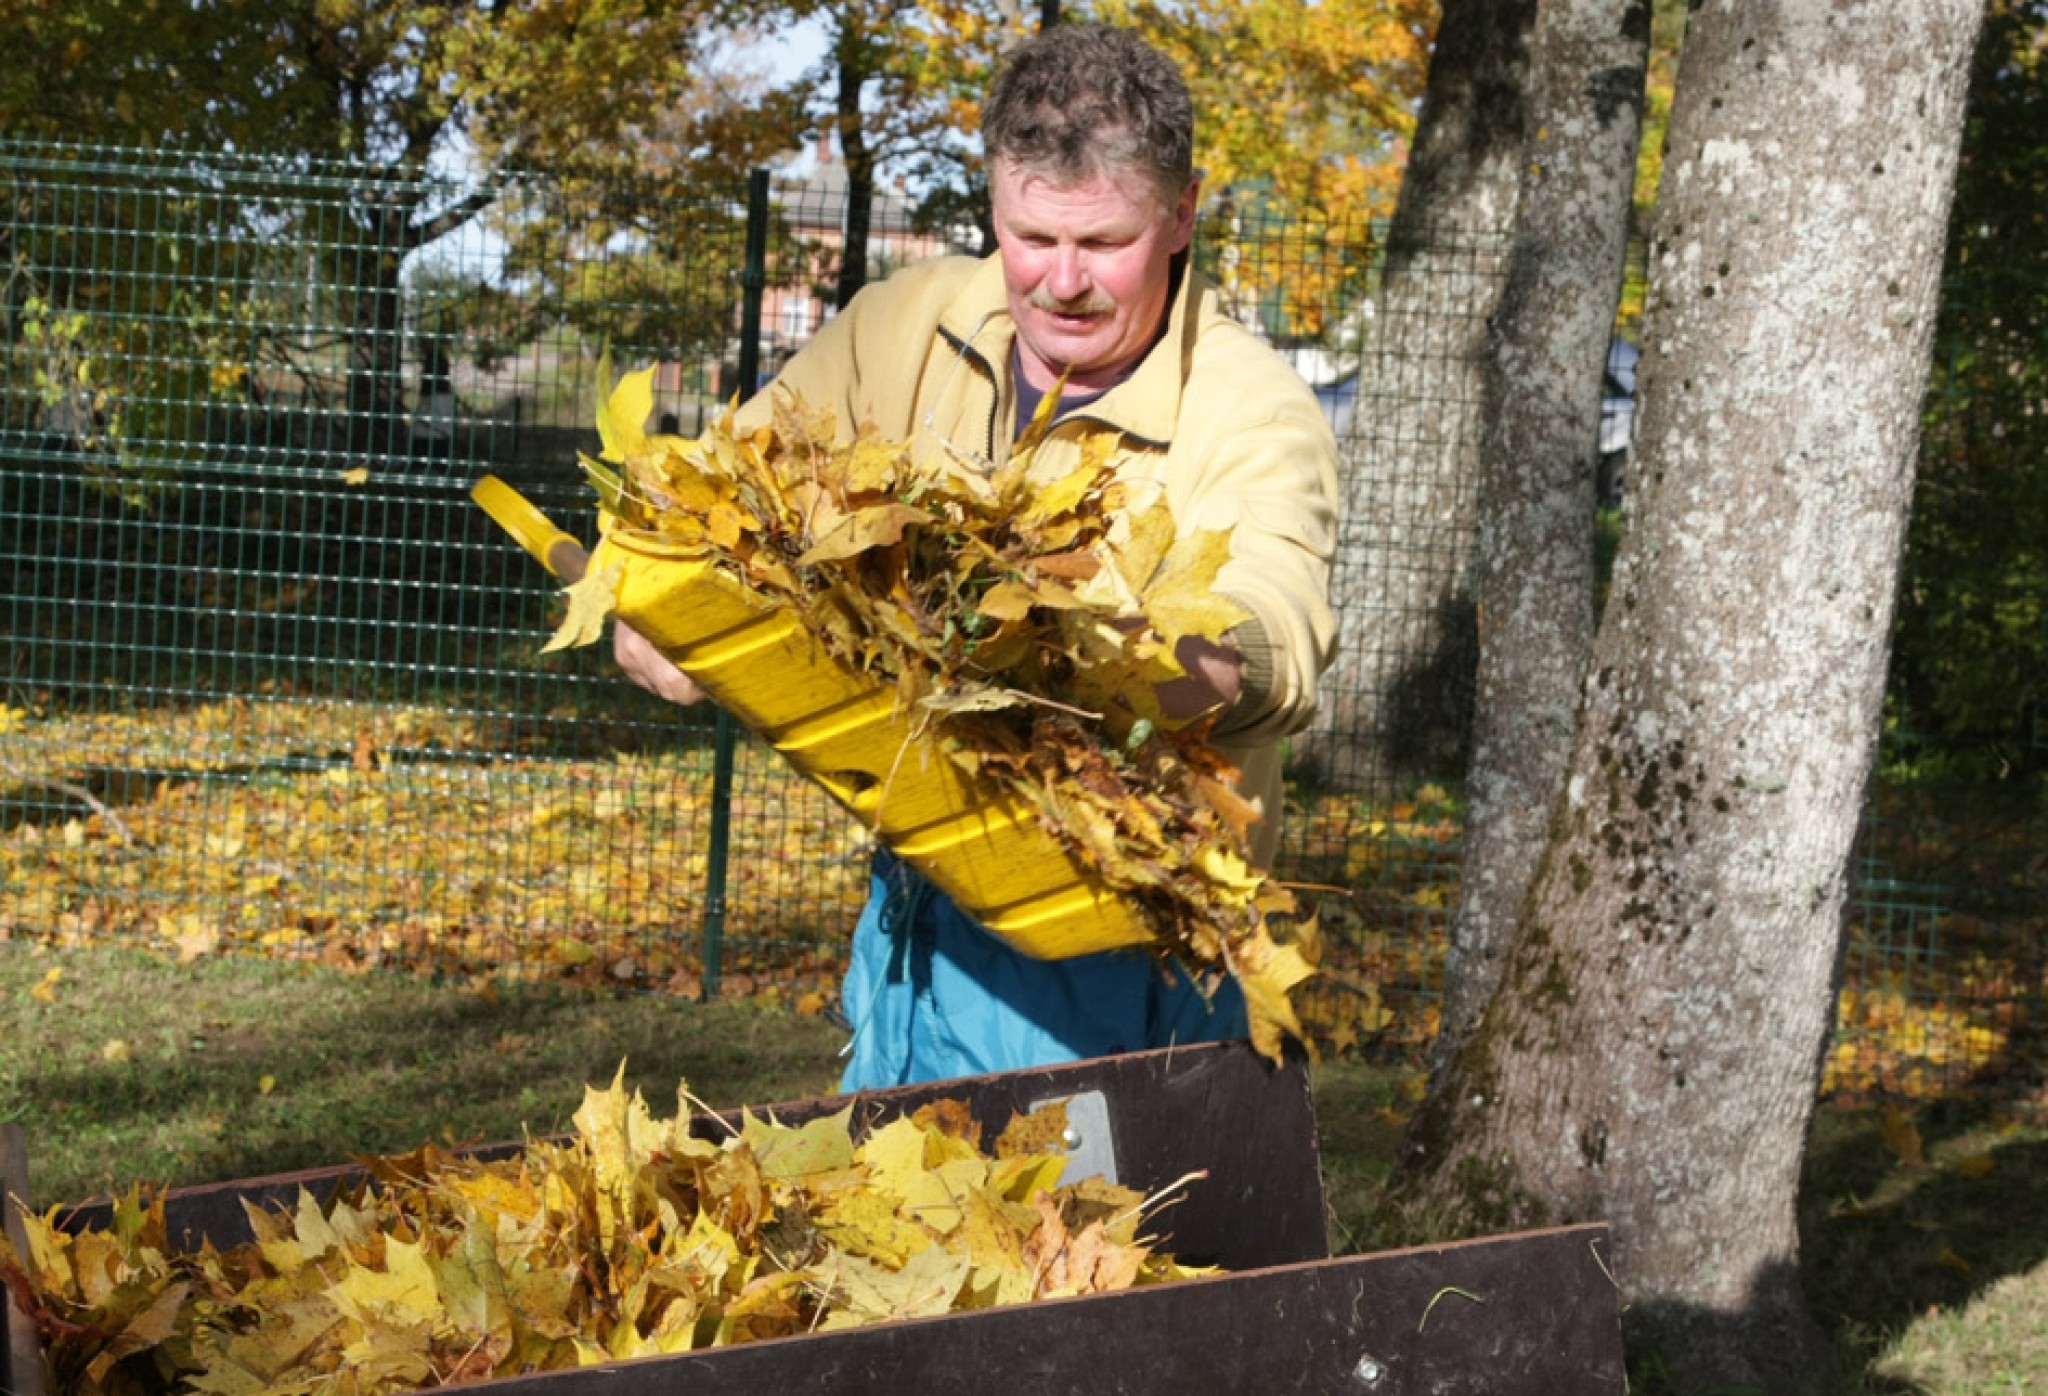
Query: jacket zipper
[(966, 350)]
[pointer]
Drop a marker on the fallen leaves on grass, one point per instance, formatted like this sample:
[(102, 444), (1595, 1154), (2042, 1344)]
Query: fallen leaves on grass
[(1901, 1138), (1901, 1042), (469, 851), (452, 853)]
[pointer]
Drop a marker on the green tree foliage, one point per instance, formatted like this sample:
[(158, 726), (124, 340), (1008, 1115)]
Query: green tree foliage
[(109, 363), (583, 84), (109, 71), (898, 84), (104, 362), (587, 89), (1972, 654)]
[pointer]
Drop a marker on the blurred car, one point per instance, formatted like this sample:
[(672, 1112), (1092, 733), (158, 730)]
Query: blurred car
[(1339, 399), (1617, 420)]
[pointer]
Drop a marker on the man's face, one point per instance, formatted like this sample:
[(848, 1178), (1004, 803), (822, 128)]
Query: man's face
[(1087, 267)]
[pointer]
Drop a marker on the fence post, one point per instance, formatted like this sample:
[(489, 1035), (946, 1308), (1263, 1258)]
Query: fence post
[(753, 281)]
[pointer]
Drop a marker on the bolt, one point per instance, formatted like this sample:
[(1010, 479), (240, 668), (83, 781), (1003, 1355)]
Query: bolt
[(1369, 1371), (1070, 1138)]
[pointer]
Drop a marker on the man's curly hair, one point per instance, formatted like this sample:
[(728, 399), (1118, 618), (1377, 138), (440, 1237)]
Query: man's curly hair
[(1078, 100)]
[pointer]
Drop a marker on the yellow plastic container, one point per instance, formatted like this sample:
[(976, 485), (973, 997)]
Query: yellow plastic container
[(981, 845)]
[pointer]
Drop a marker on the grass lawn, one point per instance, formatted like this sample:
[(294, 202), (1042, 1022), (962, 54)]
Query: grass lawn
[(1926, 1239), (142, 1069)]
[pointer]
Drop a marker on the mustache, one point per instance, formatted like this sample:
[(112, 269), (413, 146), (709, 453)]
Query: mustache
[(1094, 303)]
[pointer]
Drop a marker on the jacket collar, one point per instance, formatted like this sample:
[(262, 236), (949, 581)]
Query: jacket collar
[(1145, 405)]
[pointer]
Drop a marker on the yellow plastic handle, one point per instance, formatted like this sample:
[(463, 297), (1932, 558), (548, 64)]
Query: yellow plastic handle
[(532, 530)]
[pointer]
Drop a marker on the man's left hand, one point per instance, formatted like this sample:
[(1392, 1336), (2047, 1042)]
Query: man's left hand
[(1214, 678), (650, 668)]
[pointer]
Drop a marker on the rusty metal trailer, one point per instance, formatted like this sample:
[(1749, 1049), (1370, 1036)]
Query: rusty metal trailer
[(1529, 1314)]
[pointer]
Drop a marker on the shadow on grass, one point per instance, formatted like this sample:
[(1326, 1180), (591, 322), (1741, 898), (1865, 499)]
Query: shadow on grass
[(1886, 1240), (1884, 1244)]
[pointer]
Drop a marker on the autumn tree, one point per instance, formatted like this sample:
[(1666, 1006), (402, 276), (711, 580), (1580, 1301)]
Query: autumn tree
[(1652, 1054), (639, 238), (592, 86), (1302, 115), (897, 83), (949, 58), (595, 86), (1313, 102), (895, 74)]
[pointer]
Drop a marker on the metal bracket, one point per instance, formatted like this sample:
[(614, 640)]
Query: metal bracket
[(1088, 1145)]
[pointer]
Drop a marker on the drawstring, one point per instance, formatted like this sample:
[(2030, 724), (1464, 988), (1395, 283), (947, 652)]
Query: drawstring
[(903, 900)]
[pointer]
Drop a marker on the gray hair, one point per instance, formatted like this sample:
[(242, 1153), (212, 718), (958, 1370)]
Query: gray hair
[(1079, 100)]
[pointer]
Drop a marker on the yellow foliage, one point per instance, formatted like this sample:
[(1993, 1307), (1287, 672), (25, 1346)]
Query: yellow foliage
[(634, 1237)]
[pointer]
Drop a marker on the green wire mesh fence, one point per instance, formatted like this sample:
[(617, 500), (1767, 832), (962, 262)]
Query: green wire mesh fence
[(1946, 979), (264, 651), (273, 682)]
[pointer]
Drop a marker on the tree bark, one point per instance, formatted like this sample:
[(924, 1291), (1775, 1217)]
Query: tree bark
[(859, 159), (1397, 703), (1654, 1051), (1539, 449), (374, 299)]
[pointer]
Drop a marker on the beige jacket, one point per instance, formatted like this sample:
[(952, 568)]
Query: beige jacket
[(1215, 417)]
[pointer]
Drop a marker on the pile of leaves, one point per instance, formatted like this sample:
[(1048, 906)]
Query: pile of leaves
[(632, 1237), (1025, 622)]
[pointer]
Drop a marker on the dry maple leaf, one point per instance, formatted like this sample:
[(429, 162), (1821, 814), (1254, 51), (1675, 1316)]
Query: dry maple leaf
[(592, 599)]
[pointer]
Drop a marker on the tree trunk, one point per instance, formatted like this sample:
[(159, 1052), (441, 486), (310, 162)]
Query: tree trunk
[(860, 179), (1539, 451), (374, 305), (1654, 1050), (1397, 703)]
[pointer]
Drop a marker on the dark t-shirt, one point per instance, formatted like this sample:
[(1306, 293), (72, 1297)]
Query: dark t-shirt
[(1029, 397)]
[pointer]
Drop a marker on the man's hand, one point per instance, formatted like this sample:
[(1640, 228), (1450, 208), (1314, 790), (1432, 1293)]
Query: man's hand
[(1215, 676), (651, 669)]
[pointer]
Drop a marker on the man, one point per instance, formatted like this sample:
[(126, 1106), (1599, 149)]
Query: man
[(1088, 134)]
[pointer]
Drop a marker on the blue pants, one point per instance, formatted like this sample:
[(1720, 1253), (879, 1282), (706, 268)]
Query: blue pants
[(932, 995)]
